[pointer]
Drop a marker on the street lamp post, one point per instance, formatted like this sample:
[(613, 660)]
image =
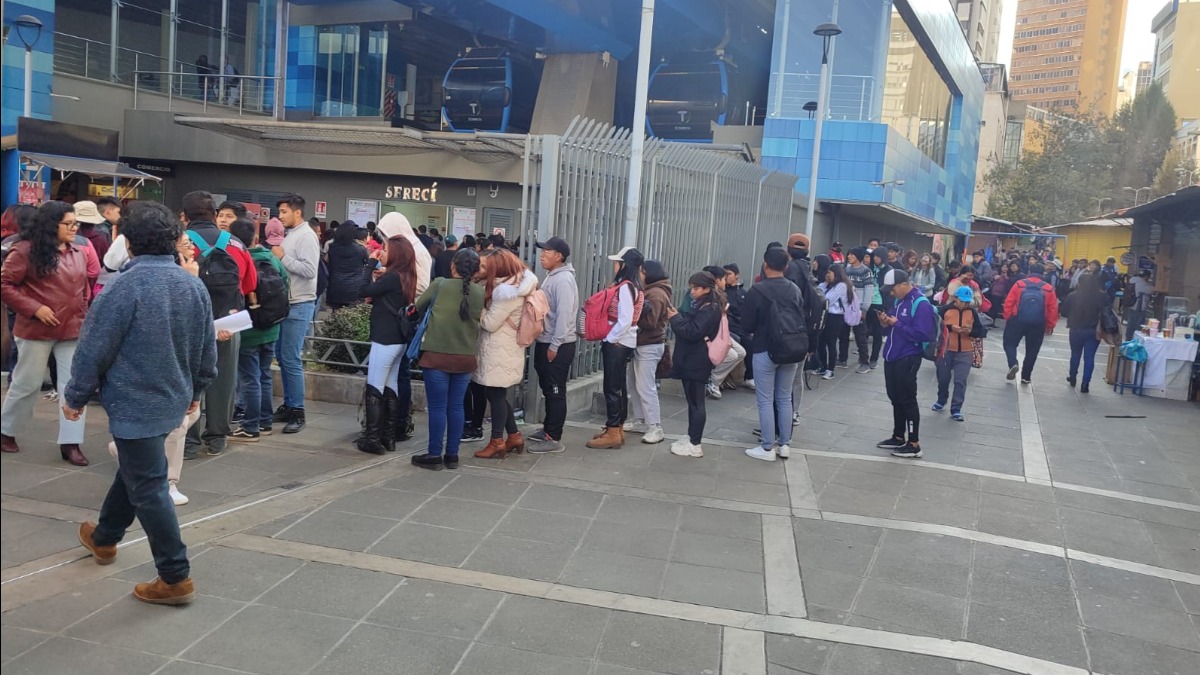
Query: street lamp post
[(633, 197), (885, 184), (1100, 204), (28, 23), (1137, 192), (826, 31)]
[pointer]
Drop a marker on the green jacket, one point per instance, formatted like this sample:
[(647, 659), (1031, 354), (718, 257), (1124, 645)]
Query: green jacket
[(447, 333), (255, 337)]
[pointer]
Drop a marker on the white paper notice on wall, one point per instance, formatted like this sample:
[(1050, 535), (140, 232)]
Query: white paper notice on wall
[(462, 222), (362, 211)]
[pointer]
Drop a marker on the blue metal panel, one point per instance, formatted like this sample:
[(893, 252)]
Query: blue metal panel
[(576, 31)]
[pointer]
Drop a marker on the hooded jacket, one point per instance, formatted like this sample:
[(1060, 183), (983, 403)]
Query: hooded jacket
[(693, 330), (346, 265), (562, 294), (915, 325), (652, 325), (500, 360), (1014, 298), (395, 224)]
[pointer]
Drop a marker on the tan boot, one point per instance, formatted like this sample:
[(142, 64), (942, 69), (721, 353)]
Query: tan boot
[(515, 443), (600, 434), (103, 555), (494, 450), (159, 592), (611, 439)]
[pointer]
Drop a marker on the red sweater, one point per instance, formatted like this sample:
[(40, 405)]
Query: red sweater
[(1014, 297)]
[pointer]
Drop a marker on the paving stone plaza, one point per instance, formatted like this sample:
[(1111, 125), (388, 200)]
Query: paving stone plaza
[(1051, 533)]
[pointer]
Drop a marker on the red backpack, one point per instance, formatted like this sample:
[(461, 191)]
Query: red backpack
[(599, 312)]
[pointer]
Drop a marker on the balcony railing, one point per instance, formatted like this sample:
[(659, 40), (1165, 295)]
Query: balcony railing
[(149, 73), (851, 97)]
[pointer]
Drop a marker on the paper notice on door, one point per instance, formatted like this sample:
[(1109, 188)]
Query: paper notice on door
[(234, 323)]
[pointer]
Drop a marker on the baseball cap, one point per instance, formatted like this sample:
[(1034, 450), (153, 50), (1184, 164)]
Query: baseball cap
[(628, 254), (837, 244), (86, 212), (965, 294), (892, 278), (451, 240), (556, 244), (274, 232), (798, 240)]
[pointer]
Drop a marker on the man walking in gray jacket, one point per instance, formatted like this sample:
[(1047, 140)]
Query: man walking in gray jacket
[(149, 347), (555, 349)]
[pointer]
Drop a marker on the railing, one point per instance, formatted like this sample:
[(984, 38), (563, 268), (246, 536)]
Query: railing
[(92, 59), (851, 97), (245, 93)]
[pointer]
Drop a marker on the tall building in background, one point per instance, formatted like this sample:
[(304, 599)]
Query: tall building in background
[(1067, 54), (1177, 55), (980, 21), (1134, 82)]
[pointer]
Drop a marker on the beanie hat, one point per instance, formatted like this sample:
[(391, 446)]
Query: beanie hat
[(859, 252)]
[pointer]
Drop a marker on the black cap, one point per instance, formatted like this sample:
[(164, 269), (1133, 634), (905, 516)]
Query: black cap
[(893, 246), (556, 244), (891, 278)]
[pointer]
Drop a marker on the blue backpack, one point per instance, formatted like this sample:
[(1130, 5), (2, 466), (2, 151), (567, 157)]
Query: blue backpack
[(1031, 306)]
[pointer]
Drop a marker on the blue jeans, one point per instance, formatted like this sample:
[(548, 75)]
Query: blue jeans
[(289, 348), (255, 385), (773, 389), (444, 398), (1083, 343), (140, 489)]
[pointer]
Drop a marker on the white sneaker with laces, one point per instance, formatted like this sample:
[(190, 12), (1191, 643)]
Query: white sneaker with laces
[(749, 384), (783, 451), (713, 391), (757, 452), (653, 434), (177, 497), (685, 449), (828, 375), (634, 427), (796, 418)]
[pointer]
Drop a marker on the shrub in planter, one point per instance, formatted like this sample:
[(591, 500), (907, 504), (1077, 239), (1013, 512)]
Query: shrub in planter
[(348, 323)]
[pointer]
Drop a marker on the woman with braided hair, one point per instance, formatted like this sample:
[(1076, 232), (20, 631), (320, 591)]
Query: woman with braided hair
[(455, 306)]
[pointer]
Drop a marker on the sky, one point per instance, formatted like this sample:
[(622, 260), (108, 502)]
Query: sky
[(1139, 41)]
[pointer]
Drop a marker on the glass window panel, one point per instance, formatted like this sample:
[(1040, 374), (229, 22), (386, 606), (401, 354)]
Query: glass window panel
[(916, 101)]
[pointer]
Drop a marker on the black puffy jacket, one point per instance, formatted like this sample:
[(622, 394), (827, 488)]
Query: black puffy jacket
[(346, 265)]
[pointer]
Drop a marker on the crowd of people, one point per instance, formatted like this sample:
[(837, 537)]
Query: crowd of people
[(93, 288)]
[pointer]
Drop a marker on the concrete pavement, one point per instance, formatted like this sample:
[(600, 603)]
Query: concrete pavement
[(1039, 536)]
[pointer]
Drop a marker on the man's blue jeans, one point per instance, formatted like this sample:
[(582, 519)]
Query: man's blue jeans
[(140, 489), (255, 385), (289, 348), (444, 394), (773, 389)]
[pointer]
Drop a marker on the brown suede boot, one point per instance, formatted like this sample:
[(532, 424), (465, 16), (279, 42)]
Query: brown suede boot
[(515, 443), (612, 439), (496, 449), (8, 444), (601, 434), (103, 555), (159, 592)]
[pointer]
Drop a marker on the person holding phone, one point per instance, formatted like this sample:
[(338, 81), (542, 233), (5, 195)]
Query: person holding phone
[(910, 325)]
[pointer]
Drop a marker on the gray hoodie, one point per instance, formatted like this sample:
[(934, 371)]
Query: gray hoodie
[(562, 294)]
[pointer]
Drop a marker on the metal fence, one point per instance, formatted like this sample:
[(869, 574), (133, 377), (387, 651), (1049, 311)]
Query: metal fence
[(700, 205)]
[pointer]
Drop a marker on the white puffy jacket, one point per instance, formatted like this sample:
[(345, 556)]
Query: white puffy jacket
[(501, 361)]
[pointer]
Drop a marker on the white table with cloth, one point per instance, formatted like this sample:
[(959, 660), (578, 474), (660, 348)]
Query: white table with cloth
[(1168, 366)]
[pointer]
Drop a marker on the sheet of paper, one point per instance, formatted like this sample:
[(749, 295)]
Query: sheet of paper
[(234, 323)]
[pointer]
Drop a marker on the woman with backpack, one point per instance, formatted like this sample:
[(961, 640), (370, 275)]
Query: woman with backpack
[(1083, 309), (692, 363), (347, 259), (652, 343), (391, 288), (500, 357), (839, 294), (451, 335), (621, 314)]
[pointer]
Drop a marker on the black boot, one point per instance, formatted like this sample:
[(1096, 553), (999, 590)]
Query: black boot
[(369, 441), (401, 420), (387, 423)]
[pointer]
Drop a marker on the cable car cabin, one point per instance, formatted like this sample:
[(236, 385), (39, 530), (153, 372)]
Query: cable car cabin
[(488, 89), (686, 97)]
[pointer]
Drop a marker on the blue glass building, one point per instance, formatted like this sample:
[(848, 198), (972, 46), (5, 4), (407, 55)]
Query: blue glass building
[(905, 104)]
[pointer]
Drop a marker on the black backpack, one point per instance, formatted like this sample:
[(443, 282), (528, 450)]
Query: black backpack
[(271, 296), (220, 273), (787, 340)]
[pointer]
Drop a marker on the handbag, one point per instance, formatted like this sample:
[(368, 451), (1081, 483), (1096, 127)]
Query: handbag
[(663, 370), (721, 343), (414, 347), (406, 319)]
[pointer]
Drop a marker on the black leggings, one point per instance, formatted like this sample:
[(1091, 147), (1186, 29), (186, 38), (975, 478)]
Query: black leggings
[(502, 413), (475, 405), (616, 399), (693, 390), (827, 351)]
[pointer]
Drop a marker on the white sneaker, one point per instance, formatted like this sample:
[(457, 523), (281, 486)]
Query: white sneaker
[(685, 449), (653, 434), (177, 497), (757, 452), (828, 375), (796, 418), (749, 384), (634, 427), (713, 391), (783, 451)]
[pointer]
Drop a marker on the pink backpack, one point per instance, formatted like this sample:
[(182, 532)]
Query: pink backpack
[(533, 318), (719, 346)]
